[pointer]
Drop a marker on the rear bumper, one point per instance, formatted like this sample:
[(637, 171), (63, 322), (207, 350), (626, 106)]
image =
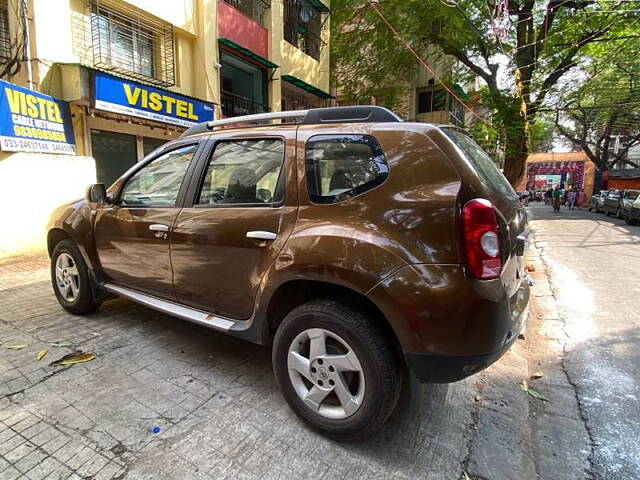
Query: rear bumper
[(451, 368)]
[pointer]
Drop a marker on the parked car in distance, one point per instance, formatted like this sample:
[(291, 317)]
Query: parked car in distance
[(612, 204), (364, 249), (632, 215), (597, 201), (628, 197)]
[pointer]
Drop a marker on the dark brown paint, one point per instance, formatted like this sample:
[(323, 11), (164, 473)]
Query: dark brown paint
[(398, 244)]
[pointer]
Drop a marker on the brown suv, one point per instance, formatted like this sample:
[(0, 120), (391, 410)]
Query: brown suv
[(363, 248)]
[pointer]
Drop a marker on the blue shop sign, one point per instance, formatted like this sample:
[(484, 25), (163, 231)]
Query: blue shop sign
[(33, 122), (130, 98)]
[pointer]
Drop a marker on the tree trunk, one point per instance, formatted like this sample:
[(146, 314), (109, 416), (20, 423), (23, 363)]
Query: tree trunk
[(516, 152)]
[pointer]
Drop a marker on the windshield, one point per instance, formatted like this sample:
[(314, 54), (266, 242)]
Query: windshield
[(481, 162)]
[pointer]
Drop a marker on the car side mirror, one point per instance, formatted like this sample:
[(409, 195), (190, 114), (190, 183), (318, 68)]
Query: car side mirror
[(97, 193)]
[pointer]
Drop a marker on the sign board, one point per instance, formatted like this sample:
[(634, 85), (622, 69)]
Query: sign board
[(131, 98), (34, 122)]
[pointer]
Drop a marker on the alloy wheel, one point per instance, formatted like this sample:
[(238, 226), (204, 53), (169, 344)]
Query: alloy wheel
[(67, 277), (326, 373)]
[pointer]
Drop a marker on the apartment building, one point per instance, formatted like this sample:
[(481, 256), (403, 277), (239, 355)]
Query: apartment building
[(129, 75)]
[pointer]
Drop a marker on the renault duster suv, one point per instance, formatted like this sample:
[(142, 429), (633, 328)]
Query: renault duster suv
[(364, 249)]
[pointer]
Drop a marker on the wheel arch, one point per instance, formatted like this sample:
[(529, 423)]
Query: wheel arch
[(293, 293)]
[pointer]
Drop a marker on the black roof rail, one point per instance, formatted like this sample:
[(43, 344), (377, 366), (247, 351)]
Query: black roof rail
[(313, 116)]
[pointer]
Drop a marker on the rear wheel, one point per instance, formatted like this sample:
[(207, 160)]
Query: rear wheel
[(70, 279), (335, 370)]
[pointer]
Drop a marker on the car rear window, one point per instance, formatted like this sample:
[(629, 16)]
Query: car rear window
[(481, 162)]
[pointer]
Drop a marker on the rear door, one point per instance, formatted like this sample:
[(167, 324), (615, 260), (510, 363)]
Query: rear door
[(241, 207)]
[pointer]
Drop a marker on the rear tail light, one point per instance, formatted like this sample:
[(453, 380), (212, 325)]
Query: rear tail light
[(481, 239)]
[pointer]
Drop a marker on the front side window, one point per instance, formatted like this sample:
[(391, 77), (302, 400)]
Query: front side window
[(245, 172), (157, 183), (341, 166)]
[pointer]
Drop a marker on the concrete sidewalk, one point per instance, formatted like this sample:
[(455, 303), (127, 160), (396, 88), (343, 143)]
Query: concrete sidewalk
[(217, 407)]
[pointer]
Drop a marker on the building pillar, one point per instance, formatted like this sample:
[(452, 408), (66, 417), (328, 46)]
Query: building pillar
[(274, 22), (206, 59)]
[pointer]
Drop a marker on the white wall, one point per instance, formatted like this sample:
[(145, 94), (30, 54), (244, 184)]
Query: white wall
[(32, 185)]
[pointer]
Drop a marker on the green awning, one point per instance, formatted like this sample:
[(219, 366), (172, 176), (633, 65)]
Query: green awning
[(247, 53), (460, 91), (305, 86), (319, 6)]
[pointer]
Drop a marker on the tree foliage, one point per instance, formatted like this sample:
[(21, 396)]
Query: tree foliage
[(544, 41), (604, 108)]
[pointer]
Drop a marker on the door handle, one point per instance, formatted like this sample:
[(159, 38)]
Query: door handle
[(157, 227), (261, 235)]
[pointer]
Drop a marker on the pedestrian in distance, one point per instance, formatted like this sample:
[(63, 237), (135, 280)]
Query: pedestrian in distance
[(556, 196), (547, 196), (572, 195), (581, 198)]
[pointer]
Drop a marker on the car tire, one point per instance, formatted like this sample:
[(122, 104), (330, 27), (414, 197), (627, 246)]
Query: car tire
[(362, 396), (607, 212), (70, 279)]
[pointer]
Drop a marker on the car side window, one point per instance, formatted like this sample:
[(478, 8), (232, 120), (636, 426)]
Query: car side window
[(339, 167), (246, 172), (157, 183)]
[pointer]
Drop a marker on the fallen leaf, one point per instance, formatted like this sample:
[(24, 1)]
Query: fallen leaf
[(16, 347), (96, 334), (537, 395), (525, 388), (61, 344), (40, 355), (73, 358), (537, 375), (477, 398), (531, 268)]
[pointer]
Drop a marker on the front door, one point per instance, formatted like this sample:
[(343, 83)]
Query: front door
[(241, 216), (133, 235)]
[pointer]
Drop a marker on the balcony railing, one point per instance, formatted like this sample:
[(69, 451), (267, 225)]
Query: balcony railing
[(254, 9), (236, 105), (298, 36)]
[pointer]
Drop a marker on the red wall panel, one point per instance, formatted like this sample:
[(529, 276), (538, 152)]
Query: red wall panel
[(240, 29)]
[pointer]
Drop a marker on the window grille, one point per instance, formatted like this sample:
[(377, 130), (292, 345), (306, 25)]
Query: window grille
[(254, 9), (125, 42), (303, 28), (5, 39), (295, 98)]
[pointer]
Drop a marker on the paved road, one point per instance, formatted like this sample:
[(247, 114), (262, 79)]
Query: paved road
[(595, 262), (216, 404)]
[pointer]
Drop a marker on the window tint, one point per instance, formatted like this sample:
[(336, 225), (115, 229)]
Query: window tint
[(341, 166), (632, 194), (157, 183), (481, 162), (244, 172)]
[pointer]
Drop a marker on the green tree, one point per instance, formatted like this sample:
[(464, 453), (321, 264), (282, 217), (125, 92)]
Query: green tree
[(604, 110), (544, 40)]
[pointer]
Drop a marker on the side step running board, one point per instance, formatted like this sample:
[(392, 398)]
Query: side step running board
[(171, 308)]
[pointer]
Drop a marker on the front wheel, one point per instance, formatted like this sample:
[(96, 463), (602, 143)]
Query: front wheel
[(336, 370), (70, 279)]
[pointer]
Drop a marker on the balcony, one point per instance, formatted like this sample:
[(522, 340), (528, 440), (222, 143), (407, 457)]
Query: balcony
[(236, 105), (299, 36), (254, 9), (237, 22)]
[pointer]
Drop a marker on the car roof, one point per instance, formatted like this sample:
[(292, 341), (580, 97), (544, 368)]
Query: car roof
[(313, 116)]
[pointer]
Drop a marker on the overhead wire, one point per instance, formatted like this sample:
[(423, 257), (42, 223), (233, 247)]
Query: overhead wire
[(435, 75)]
